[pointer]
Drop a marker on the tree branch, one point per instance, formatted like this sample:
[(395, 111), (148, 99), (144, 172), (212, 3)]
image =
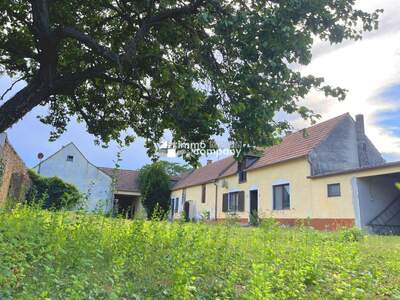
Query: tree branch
[(40, 14), (149, 22), (10, 88), (130, 52), (38, 92), (91, 43), (22, 102), (67, 83)]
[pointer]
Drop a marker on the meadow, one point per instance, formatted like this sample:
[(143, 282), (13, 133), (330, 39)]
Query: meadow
[(64, 255)]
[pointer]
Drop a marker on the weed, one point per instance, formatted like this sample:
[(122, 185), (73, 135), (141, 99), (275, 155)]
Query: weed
[(76, 255)]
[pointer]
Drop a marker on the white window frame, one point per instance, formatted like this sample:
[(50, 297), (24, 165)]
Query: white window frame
[(279, 183), (230, 200)]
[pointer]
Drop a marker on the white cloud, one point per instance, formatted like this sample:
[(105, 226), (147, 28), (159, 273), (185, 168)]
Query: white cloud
[(366, 68)]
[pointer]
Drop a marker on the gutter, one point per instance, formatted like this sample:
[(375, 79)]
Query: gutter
[(216, 199)]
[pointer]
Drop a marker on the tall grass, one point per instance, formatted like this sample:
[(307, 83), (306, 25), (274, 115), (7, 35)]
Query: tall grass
[(61, 255)]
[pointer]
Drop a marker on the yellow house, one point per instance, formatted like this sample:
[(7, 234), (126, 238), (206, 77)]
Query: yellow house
[(329, 175)]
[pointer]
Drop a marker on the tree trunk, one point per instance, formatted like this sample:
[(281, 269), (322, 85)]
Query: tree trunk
[(22, 102)]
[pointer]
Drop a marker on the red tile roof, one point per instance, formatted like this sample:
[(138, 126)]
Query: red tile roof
[(298, 144), (205, 174), (127, 180), (293, 146)]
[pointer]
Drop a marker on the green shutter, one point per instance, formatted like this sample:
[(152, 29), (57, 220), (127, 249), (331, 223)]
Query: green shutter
[(241, 201), (225, 202)]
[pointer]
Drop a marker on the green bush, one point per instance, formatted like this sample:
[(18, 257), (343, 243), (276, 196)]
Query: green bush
[(352, 234), (52, 193), (154, 186), (269, 224), (255, 219)]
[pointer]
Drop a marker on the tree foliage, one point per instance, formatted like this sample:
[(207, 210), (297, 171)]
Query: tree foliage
[(52, 192), (154, 186), (196, 68), (175, 169)]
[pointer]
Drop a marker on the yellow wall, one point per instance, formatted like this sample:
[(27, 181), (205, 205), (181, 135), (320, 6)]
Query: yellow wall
[(325, 207), (308, 196), (193, 195), (294, 172)]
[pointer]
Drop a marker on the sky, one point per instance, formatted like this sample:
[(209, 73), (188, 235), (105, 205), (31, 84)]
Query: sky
[(369, 69)]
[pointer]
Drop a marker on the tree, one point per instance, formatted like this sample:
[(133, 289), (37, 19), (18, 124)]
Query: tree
[(196, 67), (154, 186), (175, 169)]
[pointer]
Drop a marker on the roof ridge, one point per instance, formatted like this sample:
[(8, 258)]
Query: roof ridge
[(118, 169), (321, 123), (59, 150)]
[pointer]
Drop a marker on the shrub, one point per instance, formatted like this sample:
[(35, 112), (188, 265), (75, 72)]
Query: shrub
[(205, 216), (254, 219), (52, 192), (154, 186), (232, 219), (352, 234), (269, 224)]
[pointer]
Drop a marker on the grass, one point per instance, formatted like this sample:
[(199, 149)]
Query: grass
[(63, 255)]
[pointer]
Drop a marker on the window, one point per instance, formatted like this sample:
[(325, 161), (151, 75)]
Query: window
[(203, 193), (233, 202), (172, 205), (241, 172), (334, 190), (176, 205), (242, 176), (281, 196), (70, 158)]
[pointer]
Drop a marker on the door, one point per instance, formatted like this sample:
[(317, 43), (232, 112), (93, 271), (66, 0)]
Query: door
[(254, 201), (187, 211)]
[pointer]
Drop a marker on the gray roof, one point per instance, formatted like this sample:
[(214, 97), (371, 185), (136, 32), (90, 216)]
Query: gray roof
[(126, 180)]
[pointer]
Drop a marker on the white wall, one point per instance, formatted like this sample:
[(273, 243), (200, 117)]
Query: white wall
[(81, 173), (375, 193)]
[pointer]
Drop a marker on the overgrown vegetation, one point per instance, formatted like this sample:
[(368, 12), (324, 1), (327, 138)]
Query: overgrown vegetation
[(52, 193), (64, 255), (154, 186)]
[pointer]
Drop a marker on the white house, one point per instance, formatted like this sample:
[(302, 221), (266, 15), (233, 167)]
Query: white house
[(95, 182)]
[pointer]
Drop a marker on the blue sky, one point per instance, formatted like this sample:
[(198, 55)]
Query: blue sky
[(392, 118), (369, 69)]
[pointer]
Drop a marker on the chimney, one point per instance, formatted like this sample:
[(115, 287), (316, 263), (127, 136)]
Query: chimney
[(305, 133), (361, 141), (209, 162), (360, 125)]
